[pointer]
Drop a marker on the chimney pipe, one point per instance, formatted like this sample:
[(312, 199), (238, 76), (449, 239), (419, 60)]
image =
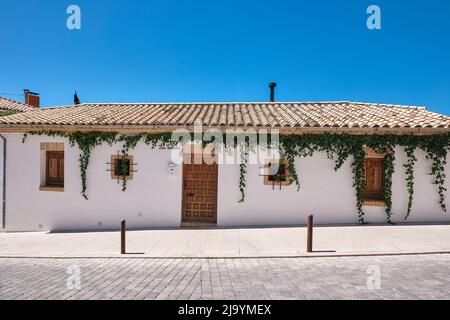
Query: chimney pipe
[(272, 86), (31, 98)]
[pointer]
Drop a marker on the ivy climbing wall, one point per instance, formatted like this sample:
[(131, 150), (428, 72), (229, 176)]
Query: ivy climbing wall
[(92, 200), (326, 193), (152, 198)]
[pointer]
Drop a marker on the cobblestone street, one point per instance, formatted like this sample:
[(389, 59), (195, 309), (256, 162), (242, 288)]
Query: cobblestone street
[(401, 277)]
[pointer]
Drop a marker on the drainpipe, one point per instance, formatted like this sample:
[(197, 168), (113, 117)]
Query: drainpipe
[(4, 183)]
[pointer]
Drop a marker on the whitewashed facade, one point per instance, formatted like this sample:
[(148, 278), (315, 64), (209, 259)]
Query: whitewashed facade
[(153, 198)]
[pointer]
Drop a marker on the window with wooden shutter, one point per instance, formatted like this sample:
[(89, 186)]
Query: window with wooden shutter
[(122, 167), (55, 169), (374, 179), (281, 177)]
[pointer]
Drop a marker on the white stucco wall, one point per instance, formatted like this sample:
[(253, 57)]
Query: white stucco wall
[(153, 197), (326, 193)]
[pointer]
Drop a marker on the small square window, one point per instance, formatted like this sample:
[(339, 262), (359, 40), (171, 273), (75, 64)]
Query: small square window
[(122, 167), (280, 177), (281, 174)]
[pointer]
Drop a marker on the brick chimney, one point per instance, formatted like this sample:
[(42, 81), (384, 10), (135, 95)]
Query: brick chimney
[(31, 98)]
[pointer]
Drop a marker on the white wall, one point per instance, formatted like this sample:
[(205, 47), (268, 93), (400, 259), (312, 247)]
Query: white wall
[(153, 198), (326, 193)]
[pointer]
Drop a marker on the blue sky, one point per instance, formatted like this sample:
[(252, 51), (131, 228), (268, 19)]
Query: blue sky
[(227, 50)]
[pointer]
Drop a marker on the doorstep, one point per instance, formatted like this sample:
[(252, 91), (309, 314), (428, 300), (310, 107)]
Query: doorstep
[(198, 225)]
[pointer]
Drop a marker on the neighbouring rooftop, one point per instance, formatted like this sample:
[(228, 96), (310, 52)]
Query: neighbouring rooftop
[(12, 105)]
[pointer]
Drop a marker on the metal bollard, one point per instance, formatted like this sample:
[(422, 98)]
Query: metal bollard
[(122, 237), (309, 244)]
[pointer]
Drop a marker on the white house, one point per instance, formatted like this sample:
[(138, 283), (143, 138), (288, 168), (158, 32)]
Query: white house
[(43, 177)]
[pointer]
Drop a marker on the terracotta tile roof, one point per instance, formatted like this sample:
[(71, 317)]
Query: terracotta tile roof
[(302, 115), (8, 104)]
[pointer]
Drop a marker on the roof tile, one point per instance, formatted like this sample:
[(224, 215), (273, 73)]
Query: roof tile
[(283, 115), (8, 104)]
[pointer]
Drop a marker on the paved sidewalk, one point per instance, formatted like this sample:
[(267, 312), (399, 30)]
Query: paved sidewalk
[(393, 277), (214, 243)]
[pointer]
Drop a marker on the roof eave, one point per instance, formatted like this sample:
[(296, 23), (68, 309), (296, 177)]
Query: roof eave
[(283, 130)]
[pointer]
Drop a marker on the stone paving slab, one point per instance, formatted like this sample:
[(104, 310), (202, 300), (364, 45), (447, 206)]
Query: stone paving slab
[(228, 243), (397, 277)]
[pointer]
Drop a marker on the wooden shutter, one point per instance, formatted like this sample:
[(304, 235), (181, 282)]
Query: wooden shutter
[(281, 178), (374, 181), (55, 168)]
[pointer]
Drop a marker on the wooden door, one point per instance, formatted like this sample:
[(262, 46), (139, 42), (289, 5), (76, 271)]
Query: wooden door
[(200, 192), (374, 179)]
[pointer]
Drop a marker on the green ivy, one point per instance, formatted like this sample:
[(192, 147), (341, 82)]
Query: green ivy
[(341, 147), (289, 153), (129, 143), (292, 170), (242, 172), (6, 113), (86, 141), (359, 182), (388, 168), (409, 172)]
